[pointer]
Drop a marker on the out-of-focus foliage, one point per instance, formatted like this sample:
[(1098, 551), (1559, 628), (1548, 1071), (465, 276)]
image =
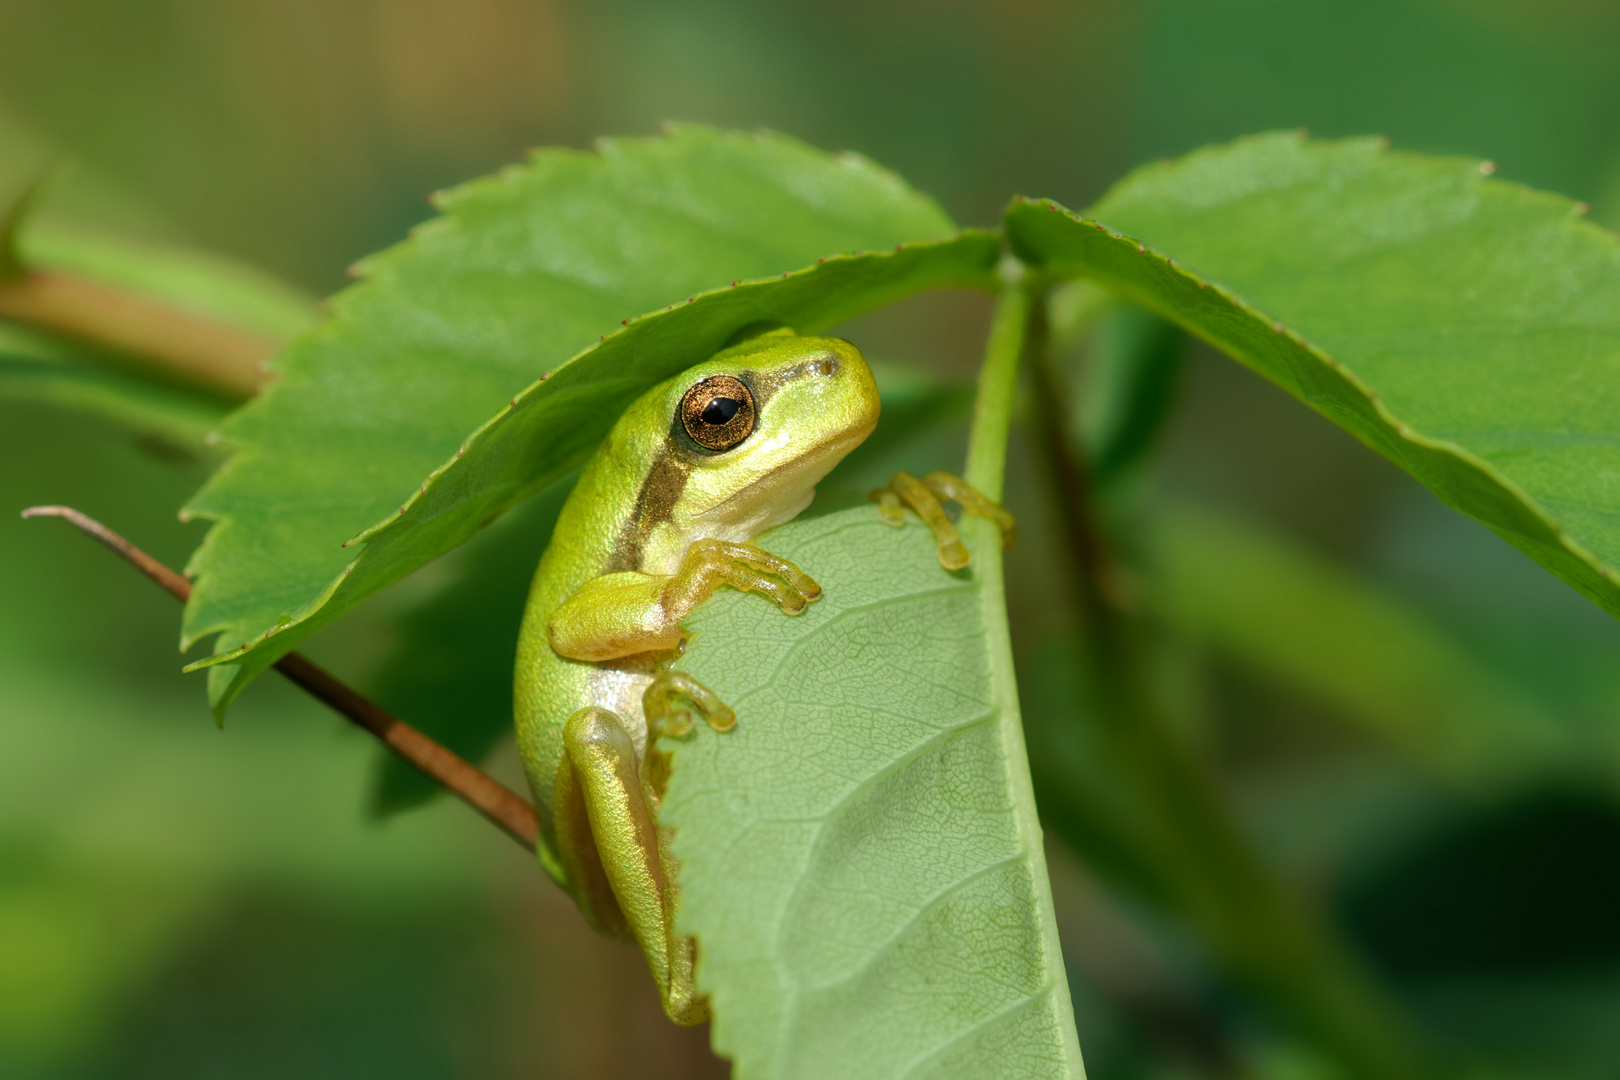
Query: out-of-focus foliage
[(165, 902), (1287, 614), (52, 366)]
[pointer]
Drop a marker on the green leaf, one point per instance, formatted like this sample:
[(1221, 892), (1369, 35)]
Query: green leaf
[(1466, 329), (859, 857), (544, 272)]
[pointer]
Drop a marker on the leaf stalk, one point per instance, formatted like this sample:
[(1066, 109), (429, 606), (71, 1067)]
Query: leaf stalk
[(985, 469)]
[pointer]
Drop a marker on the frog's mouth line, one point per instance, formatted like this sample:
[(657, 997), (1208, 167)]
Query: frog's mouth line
[(813, 464)]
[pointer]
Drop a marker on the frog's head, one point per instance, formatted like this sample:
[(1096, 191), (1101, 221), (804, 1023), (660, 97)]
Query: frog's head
[(751, 431)]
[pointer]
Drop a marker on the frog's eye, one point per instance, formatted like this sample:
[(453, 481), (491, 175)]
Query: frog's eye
[(718, 412)]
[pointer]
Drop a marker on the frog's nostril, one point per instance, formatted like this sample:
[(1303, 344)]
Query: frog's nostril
[(824, 366)]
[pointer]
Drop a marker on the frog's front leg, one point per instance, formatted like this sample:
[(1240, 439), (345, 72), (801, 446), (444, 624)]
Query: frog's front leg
[(924, 496), (623, 845), (623, 614)]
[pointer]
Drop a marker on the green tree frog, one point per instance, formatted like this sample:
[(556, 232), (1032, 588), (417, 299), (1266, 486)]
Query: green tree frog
[(664, 514)]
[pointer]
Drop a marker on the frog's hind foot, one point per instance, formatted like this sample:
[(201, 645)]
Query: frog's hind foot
[(925, 496), (682, 1002)]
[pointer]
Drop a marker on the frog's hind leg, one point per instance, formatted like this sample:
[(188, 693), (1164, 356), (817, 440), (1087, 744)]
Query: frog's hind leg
[(626, 841)]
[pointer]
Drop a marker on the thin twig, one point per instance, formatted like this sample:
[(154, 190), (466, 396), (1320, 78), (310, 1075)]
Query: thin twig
[(499, 804)]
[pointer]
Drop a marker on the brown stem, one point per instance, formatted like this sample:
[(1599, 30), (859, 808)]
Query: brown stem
[(502, 806), (1073, 479), (179, 345), (1211, 873)]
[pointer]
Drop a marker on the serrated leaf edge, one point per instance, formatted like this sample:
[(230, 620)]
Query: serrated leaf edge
[(1400, 428), (532, 390)]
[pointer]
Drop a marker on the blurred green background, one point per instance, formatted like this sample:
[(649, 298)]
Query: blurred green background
[(1422, 737)]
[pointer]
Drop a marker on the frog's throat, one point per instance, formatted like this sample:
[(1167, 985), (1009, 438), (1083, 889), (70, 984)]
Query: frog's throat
[(777, 497)]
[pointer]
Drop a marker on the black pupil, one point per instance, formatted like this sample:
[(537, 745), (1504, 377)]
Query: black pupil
[(720, 410)]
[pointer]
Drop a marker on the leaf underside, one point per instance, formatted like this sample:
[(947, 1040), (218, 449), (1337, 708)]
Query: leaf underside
[(549, 268), (853, 864), (1465, 328)]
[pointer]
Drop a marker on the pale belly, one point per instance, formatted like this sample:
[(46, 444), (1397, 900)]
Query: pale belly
[(555, 689)]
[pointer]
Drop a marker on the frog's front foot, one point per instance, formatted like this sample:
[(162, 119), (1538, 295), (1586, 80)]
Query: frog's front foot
[(710, 563), (925, 496), (626, 613)]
